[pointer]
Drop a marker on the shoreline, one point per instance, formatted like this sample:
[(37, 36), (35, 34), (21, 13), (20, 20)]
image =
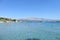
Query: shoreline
[(9, 20)]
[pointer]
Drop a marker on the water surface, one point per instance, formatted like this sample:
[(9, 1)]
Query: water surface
[(30, 31)]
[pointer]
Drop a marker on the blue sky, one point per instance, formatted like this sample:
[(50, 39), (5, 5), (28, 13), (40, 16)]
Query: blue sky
[(30, 8)]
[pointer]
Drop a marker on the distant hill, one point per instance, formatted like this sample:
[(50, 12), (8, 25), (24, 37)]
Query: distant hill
[(39, 19)]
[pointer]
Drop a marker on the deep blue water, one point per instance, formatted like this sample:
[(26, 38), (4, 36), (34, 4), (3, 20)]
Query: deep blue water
[(30, 30)]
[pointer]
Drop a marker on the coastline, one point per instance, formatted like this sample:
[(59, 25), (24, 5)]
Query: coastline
[(9, 20)]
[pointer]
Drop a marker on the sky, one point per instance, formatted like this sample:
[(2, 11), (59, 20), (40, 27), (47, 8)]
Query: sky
[(49, 9)]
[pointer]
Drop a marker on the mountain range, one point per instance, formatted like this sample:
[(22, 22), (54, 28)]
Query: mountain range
[(39, 19)]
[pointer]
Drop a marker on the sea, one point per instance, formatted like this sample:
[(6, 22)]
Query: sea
[(30, 30)]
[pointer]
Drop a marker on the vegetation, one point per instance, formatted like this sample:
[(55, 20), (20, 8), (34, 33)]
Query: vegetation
[(7, 19)]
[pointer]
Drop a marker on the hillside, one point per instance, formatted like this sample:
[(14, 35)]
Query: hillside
[(7, 20)]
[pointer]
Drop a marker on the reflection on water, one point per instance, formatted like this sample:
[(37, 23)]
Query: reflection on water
[(30, 31)]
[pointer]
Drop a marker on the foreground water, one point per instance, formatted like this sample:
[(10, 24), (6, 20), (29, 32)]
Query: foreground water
[(30, 31)]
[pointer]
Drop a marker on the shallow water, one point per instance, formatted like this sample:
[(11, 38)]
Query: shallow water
[(30, 31)]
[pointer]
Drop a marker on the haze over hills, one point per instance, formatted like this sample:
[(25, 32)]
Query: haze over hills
[(39, 19)]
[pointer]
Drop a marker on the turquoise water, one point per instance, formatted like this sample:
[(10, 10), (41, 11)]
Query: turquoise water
[(29, 30)]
